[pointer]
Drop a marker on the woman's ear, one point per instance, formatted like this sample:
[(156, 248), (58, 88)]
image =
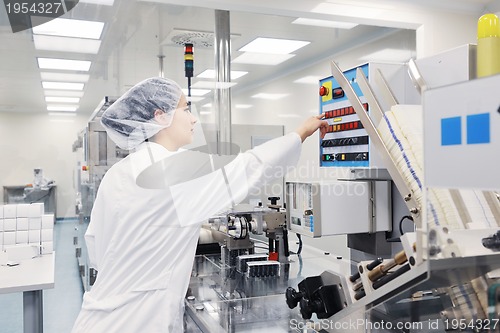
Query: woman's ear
[(159, 116)]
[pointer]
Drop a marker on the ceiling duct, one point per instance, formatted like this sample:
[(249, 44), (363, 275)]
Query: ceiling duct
[(183, 37)]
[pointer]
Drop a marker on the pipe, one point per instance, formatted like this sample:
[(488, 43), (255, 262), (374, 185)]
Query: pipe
[(222, 95)]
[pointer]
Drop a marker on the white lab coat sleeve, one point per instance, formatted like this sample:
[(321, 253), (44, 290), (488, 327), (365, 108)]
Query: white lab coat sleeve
[(94, 231), (201, 198)]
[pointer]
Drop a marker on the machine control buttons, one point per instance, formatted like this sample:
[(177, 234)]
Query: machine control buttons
[(323, 91)]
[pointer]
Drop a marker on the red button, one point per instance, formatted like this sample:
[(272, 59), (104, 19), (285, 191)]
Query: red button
[(323, 91)]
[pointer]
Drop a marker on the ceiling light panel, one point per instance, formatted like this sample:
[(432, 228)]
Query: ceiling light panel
[(57, 99), (273, 45), (64, 114), (196, 92), (243, 106), (64, 64), (262, 58), (65, 77), (324, 23), (62, 85), (62, 108), (210, 74), (66, 44), (68, 93), (269, 96), (70, 28)]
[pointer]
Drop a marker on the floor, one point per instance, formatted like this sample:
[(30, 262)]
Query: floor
[(61, 304)]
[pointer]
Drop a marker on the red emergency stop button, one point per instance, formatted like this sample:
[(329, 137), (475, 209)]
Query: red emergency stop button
[(323, 91), (85, 168)]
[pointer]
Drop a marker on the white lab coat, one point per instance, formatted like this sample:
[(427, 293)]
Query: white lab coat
[(143, 241)]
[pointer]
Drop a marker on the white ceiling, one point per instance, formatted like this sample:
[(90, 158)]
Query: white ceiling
[(136, 33)]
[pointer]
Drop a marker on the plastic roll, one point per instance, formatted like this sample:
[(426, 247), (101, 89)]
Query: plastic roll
[(488, 45)]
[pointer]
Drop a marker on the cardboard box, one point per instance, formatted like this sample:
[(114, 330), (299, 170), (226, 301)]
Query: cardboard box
[(9, 211), (48, 221), (22, 210), (35, 223), (22, 237), (9, 238), (34, 236), (22, 223), (47, 247), (36, 209), (9, 224), (47, 235)]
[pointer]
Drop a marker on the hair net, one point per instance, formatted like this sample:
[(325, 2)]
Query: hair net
[(130, 120)]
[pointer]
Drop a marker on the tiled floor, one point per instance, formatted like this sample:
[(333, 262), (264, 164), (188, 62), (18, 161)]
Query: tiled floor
[(61, 304)]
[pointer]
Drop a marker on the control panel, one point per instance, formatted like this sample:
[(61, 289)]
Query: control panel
[(346, 143)]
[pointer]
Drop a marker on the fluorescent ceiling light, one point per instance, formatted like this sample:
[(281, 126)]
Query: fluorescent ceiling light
[(48, 76), (348, 9), (208, 105), (63, 85), (273, 45), (65, 108), (64, 64), (212, 85), (62, 99), (194, 99), (269, 96), (308, 80), (69, 93), (196, 92), (324, 23), (205, 113), (66, 44), (210, 74), (243, 106), (100, 2), (262, 59), (63, 114), (390, 55), (70, 28)]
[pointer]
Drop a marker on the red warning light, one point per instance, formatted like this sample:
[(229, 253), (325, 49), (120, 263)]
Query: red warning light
[(323, 91)]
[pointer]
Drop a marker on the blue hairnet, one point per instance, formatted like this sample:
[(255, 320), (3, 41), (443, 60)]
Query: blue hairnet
[(130, 120)]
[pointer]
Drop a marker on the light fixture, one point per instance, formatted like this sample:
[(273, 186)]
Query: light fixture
[(64, 64), (348, 9), (243, 106), (196, 92), (67, 77), (210, 74), (62, 114), (69, 28), (262, 58), (66, 44), (212, 85), (65, 108), (273, 45), (56, 99), (269, 96), (69, 93), (62, 85), (205, 113), (324, 23), (389, 55), (310, 79), (208, 105)]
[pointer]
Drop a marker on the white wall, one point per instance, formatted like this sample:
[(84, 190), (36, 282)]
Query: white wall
[(32, 140)]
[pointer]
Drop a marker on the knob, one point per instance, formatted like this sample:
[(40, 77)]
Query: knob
[(292, 297), (305, 309), (323, 91)]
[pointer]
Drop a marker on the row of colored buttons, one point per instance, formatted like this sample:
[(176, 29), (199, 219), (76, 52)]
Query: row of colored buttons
[(363, 156), (343, 111), (345, 126)]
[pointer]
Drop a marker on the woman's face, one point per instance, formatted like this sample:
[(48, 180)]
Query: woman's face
[(181, 129)]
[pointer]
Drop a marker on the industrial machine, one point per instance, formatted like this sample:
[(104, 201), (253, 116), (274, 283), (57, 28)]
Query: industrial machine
[(445, 277)]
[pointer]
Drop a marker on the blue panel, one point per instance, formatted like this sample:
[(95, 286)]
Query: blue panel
[(478, 128), (451, 131)]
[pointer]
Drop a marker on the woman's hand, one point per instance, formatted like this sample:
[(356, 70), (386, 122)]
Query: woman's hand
[(310, 125)]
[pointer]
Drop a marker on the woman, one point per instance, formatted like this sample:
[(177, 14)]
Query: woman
[(142, 240)]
